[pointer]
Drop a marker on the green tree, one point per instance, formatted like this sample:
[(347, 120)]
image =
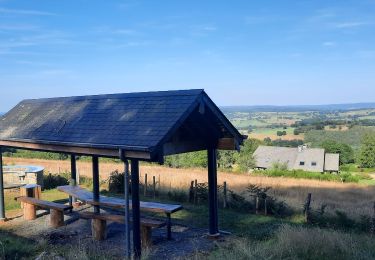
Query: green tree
[(245, 158), (226, 159), (367, 151), (346, 152)]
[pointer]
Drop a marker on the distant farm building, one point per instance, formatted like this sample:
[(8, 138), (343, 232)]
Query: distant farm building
[(301, 158)]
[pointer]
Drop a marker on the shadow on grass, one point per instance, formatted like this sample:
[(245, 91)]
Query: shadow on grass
[(16, 247)]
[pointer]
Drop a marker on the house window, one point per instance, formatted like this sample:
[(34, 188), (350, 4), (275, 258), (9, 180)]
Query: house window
[(313, 163), (301, 163)]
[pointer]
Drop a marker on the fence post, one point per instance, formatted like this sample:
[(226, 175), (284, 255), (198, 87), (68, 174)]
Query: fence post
[(191, 192), (77, 177), (265, 207), (145, 186), (159, 186), (154, 186), (257, 205), (196, 192), (225, 194), (307, 208)]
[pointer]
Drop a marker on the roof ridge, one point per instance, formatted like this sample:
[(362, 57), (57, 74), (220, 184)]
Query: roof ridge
[(182, 92)]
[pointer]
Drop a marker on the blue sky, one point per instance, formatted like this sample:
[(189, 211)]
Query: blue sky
[(241, 52)]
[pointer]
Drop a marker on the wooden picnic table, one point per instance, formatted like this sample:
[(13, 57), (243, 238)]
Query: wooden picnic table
[(117, 203)]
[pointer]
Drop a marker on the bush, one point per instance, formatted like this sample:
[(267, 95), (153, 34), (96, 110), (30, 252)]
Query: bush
[(300, 174), (51, 181), (116, 182)]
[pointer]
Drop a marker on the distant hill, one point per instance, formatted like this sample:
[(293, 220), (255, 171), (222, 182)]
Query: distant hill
[(302, 108)]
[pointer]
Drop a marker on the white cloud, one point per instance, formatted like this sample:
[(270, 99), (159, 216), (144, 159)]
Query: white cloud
[(329, 44), (344, 25), (25, 12)]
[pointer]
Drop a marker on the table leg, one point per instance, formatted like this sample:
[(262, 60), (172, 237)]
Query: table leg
[(169, 226)]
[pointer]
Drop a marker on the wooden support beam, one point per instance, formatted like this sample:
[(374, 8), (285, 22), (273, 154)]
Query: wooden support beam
[(78, 150), (226, 144)]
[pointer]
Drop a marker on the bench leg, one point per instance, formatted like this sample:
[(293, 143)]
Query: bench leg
[(57, 218), (169, 226), (146, 236), (29, 211), (99, 229)]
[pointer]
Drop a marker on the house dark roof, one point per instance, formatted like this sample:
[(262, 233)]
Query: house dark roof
[(301, 158), (133, 121)]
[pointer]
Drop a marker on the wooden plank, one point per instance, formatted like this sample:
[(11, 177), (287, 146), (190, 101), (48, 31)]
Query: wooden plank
[(43, 203), (120, 219), (226, 144), (76, 150), (87, 196)]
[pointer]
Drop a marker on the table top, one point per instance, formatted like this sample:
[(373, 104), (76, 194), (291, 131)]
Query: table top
[(111, 202)]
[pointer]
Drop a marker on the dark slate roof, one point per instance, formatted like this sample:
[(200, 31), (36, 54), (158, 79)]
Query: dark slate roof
[(132, 121)]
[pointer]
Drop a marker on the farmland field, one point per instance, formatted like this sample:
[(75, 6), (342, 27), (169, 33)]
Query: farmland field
[(265, 124)]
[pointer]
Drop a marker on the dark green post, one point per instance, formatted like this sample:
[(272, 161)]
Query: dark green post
[(95, 180), (212, 192), (73, 175), (136, 208), (2, 207)]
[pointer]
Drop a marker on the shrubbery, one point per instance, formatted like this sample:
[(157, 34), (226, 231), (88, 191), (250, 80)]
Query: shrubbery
[(300, 174)]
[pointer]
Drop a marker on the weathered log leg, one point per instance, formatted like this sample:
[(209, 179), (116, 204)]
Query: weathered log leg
[(169, 226), (29, 211), (57, 218), (99, 229), (146, 236)]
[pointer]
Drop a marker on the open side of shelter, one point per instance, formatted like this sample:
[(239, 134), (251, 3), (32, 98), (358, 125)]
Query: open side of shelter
[(135, 126)]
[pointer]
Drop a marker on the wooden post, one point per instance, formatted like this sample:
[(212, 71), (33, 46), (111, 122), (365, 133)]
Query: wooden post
[(257, 205), (29, 211), (191, 192), (212, 192), (99, 229), (159, 186), (146, 235), (154, 186), (2, 206), (57, 218), (225, 194), (265, 207), (307, 208), (145, 186), (195, 192)]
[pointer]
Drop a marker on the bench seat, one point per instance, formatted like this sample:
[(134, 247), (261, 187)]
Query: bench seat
[(56, 210), (99, 225)]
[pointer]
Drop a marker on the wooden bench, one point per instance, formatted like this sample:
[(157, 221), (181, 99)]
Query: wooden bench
[(99, 225), (118, 203), (56, 210)]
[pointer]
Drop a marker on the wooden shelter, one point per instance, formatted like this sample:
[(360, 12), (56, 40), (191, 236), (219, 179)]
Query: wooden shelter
[(135, 126)]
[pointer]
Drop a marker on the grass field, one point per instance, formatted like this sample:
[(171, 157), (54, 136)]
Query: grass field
[(255, 236), (354, 199)]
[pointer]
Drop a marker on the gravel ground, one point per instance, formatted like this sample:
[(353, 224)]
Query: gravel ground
[(186, 240)]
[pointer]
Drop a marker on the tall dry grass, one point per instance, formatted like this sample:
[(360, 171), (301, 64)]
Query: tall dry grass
[(301, 243), (353, 199)]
